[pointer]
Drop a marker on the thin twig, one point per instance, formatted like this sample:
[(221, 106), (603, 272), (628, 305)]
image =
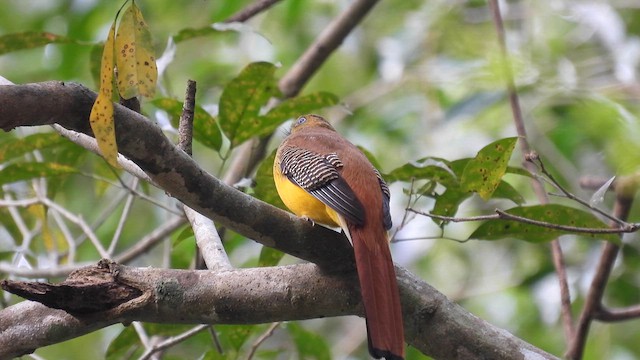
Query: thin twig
[(620, 314), (251, 10), (262, 338), (171, 341), (569, 195), (502, 215), (556, 249), (124, 216)]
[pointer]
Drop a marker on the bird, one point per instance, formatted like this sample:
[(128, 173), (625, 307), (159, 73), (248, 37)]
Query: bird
[(322, 177)]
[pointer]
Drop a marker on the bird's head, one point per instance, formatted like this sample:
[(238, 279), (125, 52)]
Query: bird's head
[(309, 121)]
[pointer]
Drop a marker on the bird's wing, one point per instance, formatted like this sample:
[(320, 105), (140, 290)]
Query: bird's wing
[(386, 196), (319, 175)]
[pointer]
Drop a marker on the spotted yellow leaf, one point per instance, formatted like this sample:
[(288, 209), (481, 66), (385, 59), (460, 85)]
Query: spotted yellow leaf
[(137, 72), (101, 118)]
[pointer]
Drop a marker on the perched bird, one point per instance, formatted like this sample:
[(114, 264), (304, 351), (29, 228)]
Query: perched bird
[(323, 177)]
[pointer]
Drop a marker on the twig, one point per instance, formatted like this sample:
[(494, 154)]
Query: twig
[(208, 241), (556, 249), (91, 144), (500, 214), (536, 160), (132, 253), (251, 10), (262, 338), (169, 342), (621, 314), (148, 241), (124, 215), (323, 46), (593, 302)]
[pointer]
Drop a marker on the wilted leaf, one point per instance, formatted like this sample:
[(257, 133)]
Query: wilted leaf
[(205, 128), (550, 213), (29, 40), (598, 197), (137, 71), (242, 99), (484, 173), (101, 118)]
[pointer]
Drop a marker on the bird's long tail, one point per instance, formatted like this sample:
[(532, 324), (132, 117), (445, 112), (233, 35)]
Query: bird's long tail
[(379, 290)]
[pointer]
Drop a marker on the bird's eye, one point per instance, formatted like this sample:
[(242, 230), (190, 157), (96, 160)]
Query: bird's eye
[(301, 120)]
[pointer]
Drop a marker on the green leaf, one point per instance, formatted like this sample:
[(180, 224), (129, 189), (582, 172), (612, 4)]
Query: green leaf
[(29, 40), (294, 107), (434, 169), (550, 213), (205, 128), (95, 60), (235, 335), (186, 233), (447, 203), (15, 147), (30, 170), (122, 344), (506, 191), (190, 33), (213, 354), (484, 173), (269, 256), (265, 189), (309, 345), (243, 98)]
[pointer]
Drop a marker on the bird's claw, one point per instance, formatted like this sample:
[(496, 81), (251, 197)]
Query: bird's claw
[(306, 218)]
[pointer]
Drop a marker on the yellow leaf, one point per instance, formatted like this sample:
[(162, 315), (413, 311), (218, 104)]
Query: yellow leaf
[(137, 72), (101, 118)]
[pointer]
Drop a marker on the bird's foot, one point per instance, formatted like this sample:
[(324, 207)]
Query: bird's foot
[(306, 218)]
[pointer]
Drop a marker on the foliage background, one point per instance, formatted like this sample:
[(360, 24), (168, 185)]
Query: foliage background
[(416, 79)]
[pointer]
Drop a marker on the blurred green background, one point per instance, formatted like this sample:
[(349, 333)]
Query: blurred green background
[(415, 79)]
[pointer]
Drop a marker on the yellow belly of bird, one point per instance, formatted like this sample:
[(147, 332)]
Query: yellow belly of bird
[(302, 203)]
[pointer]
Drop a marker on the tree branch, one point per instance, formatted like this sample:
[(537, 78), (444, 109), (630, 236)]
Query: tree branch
[(593, 302), (332, 36), (434, 325), (169, 168)]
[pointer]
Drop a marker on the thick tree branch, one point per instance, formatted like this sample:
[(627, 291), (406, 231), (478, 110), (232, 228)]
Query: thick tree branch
[(434, 324)]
